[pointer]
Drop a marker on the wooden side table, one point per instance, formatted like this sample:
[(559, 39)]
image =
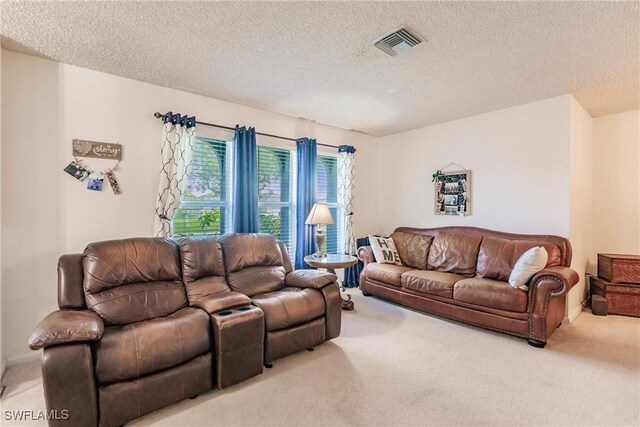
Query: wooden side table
[(330, 263)]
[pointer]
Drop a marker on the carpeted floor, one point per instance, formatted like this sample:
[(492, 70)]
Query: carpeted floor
[(394, 366)]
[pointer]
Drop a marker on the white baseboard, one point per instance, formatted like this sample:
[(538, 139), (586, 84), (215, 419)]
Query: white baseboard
[(24, 358), (573, 315)]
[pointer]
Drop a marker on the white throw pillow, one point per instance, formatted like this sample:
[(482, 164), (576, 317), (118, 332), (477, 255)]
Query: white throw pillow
[(531, 262), (384, 249)]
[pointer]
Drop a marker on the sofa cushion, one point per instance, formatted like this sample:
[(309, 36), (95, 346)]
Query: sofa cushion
[(132, 351), (498, 256), (253, 263), (130, 280), (137, 302), (386, 273), (257, 280), (289, 307), (454, 253), (114, 263), (413, 249), (201, 257), (244, 250), (430, 282), (490, 293), (202, 267)]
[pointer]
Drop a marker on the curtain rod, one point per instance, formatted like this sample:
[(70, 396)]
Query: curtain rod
[(158, 115)]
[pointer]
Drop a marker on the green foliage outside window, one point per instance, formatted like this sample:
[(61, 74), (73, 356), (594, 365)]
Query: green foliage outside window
[(210, 219), (270, 223)]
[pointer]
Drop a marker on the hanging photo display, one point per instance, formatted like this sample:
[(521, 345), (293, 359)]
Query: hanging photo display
[(114, 183), (95, 182), (452, 192), (95, 178), (77, 171)]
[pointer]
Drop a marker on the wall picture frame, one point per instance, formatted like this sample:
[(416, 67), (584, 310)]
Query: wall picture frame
[(453, 193)]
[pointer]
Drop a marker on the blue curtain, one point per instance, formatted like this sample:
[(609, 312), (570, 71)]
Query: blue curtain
[(245, 181), (352, 274), (307, 153)]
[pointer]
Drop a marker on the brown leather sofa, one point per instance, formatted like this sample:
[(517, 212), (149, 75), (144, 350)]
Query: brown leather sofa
[(462, 273), (146, 322)]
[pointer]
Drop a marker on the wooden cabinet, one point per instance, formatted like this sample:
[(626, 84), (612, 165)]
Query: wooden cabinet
[(619, 268), (618, 282)]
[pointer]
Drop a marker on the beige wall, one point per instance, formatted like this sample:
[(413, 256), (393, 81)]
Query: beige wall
[(616, 183), (46, 213), (581, 202), (519, 159)]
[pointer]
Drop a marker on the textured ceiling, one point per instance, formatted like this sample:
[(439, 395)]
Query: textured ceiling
[(316, 60)]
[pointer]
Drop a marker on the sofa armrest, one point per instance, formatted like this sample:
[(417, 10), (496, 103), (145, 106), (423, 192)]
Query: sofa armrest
[(545, 316), (67, 326), (554, 280), (365, 254), (222, 301), (550, 282), (309, 279)]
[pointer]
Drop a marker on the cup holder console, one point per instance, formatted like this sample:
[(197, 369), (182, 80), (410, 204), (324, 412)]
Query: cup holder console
[(236, 310), (239, 344)]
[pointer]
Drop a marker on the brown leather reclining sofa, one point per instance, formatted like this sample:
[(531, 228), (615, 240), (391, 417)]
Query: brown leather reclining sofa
[(462, 273), (146, 322)]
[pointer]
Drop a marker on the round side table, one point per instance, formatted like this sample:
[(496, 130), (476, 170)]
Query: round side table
[(330, 263)]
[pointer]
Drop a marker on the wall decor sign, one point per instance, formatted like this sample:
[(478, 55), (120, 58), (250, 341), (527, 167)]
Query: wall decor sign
[(98, 150), (452, 192)]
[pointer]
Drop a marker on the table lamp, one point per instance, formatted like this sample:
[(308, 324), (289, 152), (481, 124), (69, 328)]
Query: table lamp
[(320, 216)]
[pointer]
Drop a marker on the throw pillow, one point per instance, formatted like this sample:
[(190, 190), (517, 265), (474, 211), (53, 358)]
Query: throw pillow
[(531, 262), (384, 250)]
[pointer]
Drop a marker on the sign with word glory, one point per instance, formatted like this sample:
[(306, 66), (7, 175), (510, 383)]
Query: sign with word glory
[(99, 150)]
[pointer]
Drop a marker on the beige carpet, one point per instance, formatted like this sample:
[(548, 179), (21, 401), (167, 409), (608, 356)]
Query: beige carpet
[(394, 366)]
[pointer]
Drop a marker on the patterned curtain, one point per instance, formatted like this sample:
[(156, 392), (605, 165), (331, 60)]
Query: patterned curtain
[(307, 154), (346, 185), (245, 181), (178, 140)]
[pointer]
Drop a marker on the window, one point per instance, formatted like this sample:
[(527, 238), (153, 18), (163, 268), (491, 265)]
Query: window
[(327, 192), (205, 207), (276, 194)]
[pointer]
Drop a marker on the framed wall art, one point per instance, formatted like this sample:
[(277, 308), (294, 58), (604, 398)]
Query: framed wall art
[(452, 192)]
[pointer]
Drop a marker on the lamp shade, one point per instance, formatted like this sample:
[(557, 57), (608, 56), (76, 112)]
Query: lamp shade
[(319, 214)]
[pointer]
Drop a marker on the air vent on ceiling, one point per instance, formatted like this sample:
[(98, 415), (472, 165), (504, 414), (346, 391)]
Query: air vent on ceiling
[(397, 42)]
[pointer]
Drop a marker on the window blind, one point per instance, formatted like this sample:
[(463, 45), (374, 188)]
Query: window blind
[(276, 194), (327, 192), (204, 208)]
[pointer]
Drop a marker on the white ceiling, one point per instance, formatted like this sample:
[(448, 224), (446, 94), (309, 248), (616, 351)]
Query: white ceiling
[(316, 59)]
